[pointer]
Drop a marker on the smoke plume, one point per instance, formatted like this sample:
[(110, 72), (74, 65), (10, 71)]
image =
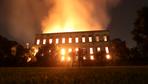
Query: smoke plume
[(22, 19), (78, 15)]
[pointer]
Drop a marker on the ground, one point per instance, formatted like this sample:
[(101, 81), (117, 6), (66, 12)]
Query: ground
[(76, 75)]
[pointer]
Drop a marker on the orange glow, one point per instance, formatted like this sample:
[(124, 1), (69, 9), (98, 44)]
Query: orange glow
[(97, 38), (90, 39), (107, 50), (84, 58), (77, 39), (92, 57), (76, 57), (29, 59), (70, 40), (49, 51), (77, 49), (63, 40), (91, 51), (108, 57), (57, 40), (62, 51), (35, 50), (50, 41), (62, 58), (27, 45), (38, 41), (98, 49), (69, 50), (68, 59), (83, 39), (71, 15), (105, 38), (44, 41)]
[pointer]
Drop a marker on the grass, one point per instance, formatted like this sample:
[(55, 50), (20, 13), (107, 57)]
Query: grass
[(84, 75)]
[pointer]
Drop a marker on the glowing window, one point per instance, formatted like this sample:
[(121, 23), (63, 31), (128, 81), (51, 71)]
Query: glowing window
[(44, 41), (107, 50), (92, 57), (91, 50), (63, 40), (97, 38), (69, 50), (29, 59), (38, 42), (105, 38), (68, 59), (76, 39), (49, 51), (84, 58), (90, 39), (27, 45), (83, 39), (42, 54), (70, 40), (62, 51), (98, 49), (62, 58), (108, 57), (50, 41), (57, 40), (77, 49)]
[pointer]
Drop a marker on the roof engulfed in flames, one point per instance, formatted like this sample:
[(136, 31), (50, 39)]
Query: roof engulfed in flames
[(71, 15)]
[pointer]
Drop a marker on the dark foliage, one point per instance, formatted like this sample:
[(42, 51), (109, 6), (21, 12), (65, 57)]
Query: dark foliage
[(47, 55), (120, 51), (140, 36), (6, 57)]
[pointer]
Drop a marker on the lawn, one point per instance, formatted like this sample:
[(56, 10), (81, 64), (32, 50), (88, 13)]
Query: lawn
[(76, 75)]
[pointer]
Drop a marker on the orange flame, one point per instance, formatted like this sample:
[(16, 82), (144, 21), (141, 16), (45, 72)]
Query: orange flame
[(75, 15)]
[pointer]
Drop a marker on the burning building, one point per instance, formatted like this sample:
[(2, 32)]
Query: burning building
[(78, 46), (65, 18)]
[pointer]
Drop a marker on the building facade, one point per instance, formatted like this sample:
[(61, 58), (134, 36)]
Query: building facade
[(85, 45)]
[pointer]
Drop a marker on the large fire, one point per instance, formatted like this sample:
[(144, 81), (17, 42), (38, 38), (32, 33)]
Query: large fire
[(74, 15)]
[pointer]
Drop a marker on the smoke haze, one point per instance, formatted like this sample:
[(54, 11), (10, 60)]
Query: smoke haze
[(78, 15), (22, 19)]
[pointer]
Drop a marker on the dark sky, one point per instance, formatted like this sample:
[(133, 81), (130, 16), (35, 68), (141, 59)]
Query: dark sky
[(122, 19)]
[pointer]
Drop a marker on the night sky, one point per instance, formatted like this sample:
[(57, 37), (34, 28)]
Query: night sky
[(122, 19)]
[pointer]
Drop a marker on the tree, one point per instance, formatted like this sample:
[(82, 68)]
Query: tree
[(47, 55), (119, 51), (140, 33), (7, 56)]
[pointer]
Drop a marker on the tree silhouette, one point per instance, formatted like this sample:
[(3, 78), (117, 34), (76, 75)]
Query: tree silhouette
[(47, 55), (140, 32), (119, 51), (6, 57)]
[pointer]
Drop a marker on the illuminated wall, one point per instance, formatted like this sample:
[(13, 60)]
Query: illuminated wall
[(89, 42)]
